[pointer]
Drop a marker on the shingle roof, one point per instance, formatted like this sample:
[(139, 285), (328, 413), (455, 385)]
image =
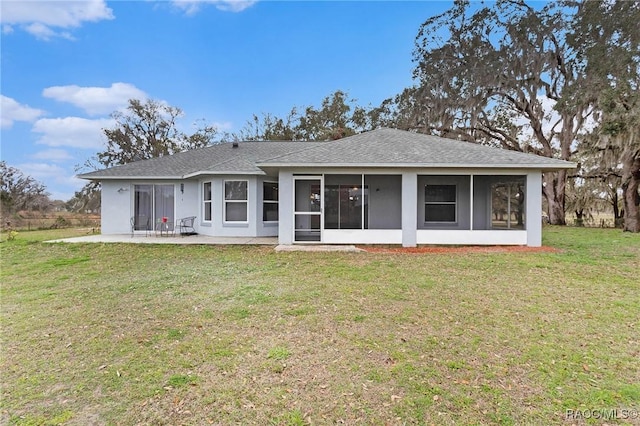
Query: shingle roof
[(378, 148), (215, 159), (394, 148)]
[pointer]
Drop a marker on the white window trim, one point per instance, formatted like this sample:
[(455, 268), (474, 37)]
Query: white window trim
[(225, 201), (205, 201), (276, 202), (454, 203)]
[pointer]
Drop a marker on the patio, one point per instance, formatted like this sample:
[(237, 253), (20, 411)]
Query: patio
[(157, 239)]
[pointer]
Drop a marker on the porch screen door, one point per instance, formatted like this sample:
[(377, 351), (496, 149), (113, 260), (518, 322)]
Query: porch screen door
[(307, 221)]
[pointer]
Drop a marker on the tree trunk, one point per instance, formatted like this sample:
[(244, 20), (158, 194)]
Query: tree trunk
[(554, 193), (630, 187)]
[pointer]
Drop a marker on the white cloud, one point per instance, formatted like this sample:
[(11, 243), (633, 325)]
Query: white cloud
[(13, 111), (96, 100), (41, 171), (72, 131), (55, 155), (191, 7), (44, 19), (42, 32), (53, 176)]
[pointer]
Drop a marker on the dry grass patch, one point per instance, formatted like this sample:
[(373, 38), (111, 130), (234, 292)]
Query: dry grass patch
[(156, 334)]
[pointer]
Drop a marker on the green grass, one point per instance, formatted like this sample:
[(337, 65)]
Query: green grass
[(157, 334)]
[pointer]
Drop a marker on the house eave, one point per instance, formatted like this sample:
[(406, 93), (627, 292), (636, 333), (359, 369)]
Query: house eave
[(543, 167), (98, 177), (210, 172), (187, 176)]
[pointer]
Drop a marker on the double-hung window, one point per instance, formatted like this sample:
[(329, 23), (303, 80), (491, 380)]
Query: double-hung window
[(206, 198), (236, 197), (270, 202), (440, 203)]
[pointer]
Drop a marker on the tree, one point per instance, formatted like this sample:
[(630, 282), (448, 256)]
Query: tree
[(332, 121), (20, 192), (606, 38), (270, 128), (337, 117), (148, 130), (85, 200), (145, 130), (497, 78)]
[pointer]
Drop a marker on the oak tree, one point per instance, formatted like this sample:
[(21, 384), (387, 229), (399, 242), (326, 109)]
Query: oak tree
[(493, 74)]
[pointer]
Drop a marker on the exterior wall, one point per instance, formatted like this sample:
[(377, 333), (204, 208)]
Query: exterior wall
[(118, 203), (217, 226), (409, 210), (362, 236), (115, 210), (482, 202), (533, 215), (444, 237), (187, 201), (118, 207), (118, 198), (285, 208), (385, 201)]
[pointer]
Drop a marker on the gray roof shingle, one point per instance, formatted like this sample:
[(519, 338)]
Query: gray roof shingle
[(393, 148), (378, 148), (214, 159)]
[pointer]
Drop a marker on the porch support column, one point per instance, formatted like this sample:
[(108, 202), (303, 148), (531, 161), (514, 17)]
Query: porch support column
[(285, 208), (409, 209), (533, 218), (471, 201)]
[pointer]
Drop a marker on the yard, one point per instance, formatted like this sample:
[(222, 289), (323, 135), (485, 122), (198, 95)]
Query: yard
[(155, 334)]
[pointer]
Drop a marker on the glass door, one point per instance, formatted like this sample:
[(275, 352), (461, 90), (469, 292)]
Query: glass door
[(307, 221)]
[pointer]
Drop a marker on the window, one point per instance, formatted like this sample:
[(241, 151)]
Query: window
[(236, 200), (206, 197), (270, 201), (151, 204), (440, 203)]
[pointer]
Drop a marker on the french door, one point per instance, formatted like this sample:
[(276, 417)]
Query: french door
[(308, 205)]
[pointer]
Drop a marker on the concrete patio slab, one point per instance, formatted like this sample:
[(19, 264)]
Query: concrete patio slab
[(153, 239)]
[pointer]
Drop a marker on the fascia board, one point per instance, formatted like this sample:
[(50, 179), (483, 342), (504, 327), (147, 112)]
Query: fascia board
[(547, 167)]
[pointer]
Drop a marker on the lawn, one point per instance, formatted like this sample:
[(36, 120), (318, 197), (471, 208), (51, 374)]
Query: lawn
[(155, 334)]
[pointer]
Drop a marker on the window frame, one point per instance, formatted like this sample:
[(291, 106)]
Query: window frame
[(226, 201), (207, 202), (441, 203), (265, 201)]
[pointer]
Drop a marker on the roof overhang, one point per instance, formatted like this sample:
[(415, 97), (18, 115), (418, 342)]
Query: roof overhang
[(542, 167), (187, 176), (103, 177), (208, 172)]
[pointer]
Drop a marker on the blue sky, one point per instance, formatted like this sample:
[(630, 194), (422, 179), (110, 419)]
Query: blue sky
[(67, 65)]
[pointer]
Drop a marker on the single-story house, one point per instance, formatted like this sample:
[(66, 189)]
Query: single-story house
[(385, 186)]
